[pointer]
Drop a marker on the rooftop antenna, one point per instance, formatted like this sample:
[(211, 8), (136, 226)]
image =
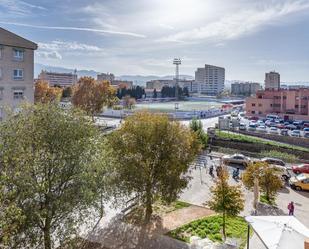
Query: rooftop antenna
[(177, 62)]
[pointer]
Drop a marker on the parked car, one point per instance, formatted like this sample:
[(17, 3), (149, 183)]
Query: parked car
[(260, 122), (273, 130), (295, 133), (280, 126), (303, 168), (291, 127), (300, 182), (252, 127), (306, 135), (298, 124), (306, 124), (242, 127), (284, 132), (274, 161), (237, 159), (261, 128), (306, 129)]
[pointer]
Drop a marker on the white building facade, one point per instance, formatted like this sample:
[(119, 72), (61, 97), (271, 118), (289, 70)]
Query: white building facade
[(210, 79), (58, 79)]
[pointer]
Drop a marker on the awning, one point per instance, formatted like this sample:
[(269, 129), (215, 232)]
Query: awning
[(279, 232)]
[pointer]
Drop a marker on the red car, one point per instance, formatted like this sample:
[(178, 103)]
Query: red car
[(303, 168)]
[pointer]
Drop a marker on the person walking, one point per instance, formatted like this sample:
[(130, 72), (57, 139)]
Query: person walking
[(291, 208)]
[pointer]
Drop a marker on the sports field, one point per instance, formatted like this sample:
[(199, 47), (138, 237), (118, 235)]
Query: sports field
[(182, 106)]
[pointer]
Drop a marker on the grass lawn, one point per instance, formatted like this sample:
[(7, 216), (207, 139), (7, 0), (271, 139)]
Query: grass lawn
[(210, 227), (271, 202), (251, 139)]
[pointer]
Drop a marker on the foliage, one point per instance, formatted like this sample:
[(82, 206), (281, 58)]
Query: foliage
[(236, 227), (67, 92), (136, 92), (197, 127), (43, 93), (269, 178), (153, 155), (91, 95), (227, 200), (129, 102), (168, 91), (155, 94), (271, 201), (51, 173), (256, 140), (289, 158)]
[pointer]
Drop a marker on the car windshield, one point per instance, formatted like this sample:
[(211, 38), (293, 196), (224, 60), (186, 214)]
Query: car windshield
[(301, 177)]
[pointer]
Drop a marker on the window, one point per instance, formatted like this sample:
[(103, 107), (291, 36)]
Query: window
[(18, 74), (260, 105), (18, 54), (0, 73), (1, 51), (18, 94), (253, 104), (1, 94)]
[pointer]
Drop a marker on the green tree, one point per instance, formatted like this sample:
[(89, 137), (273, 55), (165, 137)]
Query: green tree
[(269, 178), (153, 155), (197, 127), (226, 199), (51, 173)]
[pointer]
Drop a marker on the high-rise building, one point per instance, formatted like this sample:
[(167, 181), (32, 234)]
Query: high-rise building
[(16, 70), (244, 88), (210, 79), (58, 79), (272, 80), (106, 77)]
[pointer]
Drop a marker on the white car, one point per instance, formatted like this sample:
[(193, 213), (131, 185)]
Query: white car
[(261, 128), (295, 133), (237, 159), (260, 123), (242, 127), (273, 130)]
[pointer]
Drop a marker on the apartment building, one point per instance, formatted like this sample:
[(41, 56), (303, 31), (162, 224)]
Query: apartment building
[(244, 88), (272, 80), (210, 79), (16, 70), (106, 77), (58, 79), (290, 104)]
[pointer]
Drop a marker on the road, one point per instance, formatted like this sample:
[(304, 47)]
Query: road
[(198, 192)]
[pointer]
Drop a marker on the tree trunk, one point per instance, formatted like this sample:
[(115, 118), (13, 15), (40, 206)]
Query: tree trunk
[(47, 239), (223, 226), (148, 212)]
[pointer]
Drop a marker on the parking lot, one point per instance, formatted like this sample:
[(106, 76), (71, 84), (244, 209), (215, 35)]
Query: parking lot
[(273, 126)]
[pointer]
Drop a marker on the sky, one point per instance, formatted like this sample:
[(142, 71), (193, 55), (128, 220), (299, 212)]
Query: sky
[(141, 37)]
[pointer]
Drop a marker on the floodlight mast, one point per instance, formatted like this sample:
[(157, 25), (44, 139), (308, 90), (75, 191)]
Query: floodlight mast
[(177, 62)]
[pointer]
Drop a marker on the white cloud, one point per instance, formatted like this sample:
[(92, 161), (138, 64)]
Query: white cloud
[(49, 55), (235, 25), (69, 46), (19, 7), (104, 31)]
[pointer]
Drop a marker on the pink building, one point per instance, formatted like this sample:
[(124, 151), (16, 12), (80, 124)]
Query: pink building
[(288, 104)]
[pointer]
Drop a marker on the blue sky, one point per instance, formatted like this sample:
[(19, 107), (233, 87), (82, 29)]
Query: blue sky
[(247, 37)]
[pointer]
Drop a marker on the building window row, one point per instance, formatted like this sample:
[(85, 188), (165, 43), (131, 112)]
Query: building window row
[(18, 53), (18, 74), (17, 93)]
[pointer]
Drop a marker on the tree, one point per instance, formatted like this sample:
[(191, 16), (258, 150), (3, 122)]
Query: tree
[(269, 178), (155, 94), (226, 199), (67, 92), (91, 96), (43, 93), (153, 155), (197, 127), (51, 174), (129, 102)]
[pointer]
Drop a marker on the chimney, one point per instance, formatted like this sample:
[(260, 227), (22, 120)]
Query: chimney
[(307, 243)]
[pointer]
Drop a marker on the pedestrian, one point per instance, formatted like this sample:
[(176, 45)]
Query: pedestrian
[(291, 208)]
